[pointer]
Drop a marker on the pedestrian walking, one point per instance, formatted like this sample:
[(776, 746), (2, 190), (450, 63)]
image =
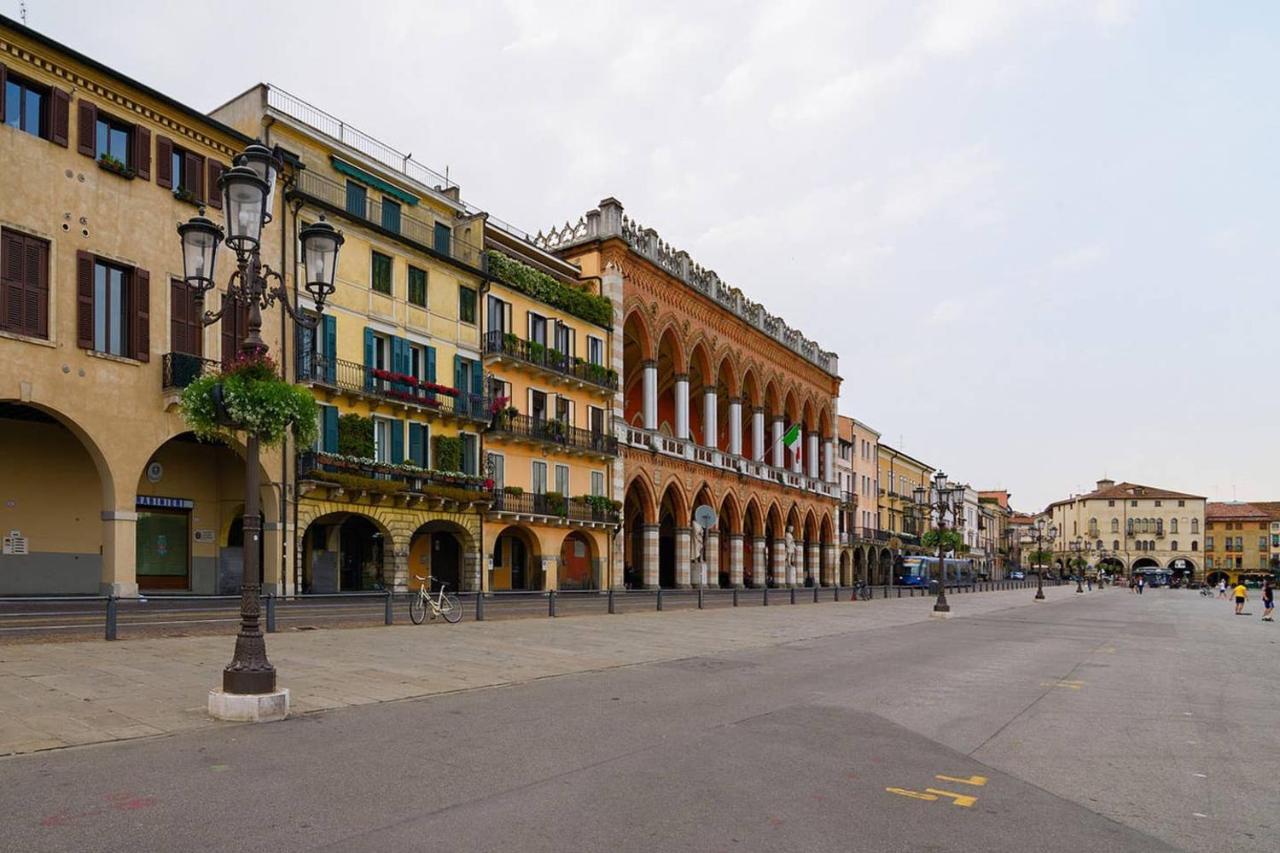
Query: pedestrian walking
[(1241, 594), (1142, 581), (1268, 601), (1222, 588)]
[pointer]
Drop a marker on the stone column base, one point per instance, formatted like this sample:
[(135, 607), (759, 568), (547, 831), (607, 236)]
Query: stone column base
[(249, 707), (939, 614)]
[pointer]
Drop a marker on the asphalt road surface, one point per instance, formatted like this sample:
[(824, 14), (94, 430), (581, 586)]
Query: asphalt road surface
[(1107, 722)]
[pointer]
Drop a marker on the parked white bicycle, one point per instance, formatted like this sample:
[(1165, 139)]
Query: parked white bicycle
[(441, 604)]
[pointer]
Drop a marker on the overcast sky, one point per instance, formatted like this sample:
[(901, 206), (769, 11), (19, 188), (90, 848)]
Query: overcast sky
[(1041, 236)]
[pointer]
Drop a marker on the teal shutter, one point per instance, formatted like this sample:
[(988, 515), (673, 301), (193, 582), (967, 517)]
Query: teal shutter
[(303, 360), (477, 379), (397, 442), (415, 445), (431, 364), (368, 358), (400, 360), (460, 382), (330, 444), (330, 351)]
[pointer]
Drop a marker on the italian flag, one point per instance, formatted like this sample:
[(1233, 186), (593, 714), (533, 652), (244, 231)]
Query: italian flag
[(791, 436)]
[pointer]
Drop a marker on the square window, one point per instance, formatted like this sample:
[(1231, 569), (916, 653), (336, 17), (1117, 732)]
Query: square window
[(26, 106), (597, 483), (380, 273), (466, 304), (113, 142), (418, 287)]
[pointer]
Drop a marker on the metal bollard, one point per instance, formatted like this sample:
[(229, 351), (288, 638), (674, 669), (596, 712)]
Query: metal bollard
[(111, 618), (836, 593), (612, 607), (551, 603), (387, 616), (793, 595), (480, 606), (271, 613), (765, 602), (886, 592), (735, 596), (659, 599), (699, 598), (815, 593)]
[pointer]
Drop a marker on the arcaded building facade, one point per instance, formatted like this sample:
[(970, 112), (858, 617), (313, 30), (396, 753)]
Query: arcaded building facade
[(712, 384)]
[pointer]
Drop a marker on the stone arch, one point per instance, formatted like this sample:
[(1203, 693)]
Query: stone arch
[(701, 381), (640, 530), (754, 565), (885, 568), (673, 362), (751, 394), (727, 391), (579, 561), (443, 547), (107, 476), (638, 348), (345, 550), (516, 556), (674, 519)]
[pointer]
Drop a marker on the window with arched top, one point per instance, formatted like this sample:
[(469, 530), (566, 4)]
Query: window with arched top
[(1173, 546), (1195, 525), (1115, 545), (1115, 525), (1173, 525)]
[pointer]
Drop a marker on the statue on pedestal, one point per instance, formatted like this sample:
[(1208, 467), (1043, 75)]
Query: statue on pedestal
[(790, 554)]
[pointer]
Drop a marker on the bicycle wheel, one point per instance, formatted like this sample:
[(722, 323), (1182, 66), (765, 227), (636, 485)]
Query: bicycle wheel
[(451, 609), (417, 609)]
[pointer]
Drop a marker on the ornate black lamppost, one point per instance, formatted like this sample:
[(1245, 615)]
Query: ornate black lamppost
[(248, 189), (1042, 530), (1080, 548), (942, 500)]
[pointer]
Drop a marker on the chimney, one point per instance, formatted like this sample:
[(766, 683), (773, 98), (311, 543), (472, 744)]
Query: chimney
[(1105, 484)]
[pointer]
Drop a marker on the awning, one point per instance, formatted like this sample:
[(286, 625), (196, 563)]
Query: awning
[(372, 180)]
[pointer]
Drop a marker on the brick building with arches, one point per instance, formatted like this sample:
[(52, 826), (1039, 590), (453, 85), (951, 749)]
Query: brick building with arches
[(711, 383)]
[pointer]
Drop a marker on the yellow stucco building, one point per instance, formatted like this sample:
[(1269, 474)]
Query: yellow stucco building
[(900, 475), (1237, 541), (549, 345), (103, 487)]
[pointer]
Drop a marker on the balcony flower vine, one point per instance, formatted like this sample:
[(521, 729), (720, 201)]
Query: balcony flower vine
[(248, 394)]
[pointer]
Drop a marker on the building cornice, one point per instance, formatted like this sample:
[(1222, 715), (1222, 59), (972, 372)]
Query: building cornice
[(608, 220)]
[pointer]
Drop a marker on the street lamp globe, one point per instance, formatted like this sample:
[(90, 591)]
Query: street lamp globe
[(264, 163), (320, 243), (920, 494), (244, 197), (200, 238)]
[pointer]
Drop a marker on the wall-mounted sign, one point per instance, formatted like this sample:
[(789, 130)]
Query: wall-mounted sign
[(203, 535), (14, 543), (155, 471), (156, 502)]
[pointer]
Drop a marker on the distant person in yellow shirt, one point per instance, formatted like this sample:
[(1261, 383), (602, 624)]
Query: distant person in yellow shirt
[(1241, 594)]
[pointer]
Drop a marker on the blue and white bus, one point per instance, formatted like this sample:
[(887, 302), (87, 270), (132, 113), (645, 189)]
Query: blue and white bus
[(919, 571)]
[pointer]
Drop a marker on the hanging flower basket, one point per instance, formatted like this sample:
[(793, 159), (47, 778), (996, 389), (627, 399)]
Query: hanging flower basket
[(249, 395)]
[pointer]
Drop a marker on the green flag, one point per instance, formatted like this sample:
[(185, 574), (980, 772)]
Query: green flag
[(791, 436)]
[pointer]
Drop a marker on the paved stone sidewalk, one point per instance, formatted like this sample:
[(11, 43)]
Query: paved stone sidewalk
[(68, 694)]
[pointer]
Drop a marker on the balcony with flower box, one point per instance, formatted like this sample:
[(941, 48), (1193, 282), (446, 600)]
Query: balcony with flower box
[(504, 347), (338, 377), (362, 479), (515, 504), (508, 423)]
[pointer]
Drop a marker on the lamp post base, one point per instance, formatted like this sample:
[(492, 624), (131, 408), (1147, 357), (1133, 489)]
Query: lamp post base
[(1040, 598), (249, 707), (939, 614)]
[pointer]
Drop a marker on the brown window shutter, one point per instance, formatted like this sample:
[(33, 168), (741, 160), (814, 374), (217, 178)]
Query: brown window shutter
[(164, 162), (84, 300), (234, 321), (2, 76), (36, 258), (11, 280), (141, 295), (177, 316), (142, 152), (215, 195), (193, 175), (87, 128), (59, 117)]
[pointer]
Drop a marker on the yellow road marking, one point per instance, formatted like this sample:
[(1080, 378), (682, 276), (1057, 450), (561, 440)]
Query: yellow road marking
[(1074, 685), (963, 800), (915, 795), (972, 780)]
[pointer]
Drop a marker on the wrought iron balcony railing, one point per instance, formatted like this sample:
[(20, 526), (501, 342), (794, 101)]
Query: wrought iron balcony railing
[(555, 432), (554, 506), (530, 352), (437, 237), (320, 466), (354, 378), (178, 369)]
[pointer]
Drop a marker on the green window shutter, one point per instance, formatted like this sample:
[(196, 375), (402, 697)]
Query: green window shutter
[(416, 445), (459, 377), (330, 351), (477, 379), (368, 358), (330, 444), (397, 442), (304, 358), (431, 364)]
